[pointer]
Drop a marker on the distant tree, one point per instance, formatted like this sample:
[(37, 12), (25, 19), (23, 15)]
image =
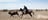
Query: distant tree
[(41, 9), (45, 9), (37, 10), (5, 10)]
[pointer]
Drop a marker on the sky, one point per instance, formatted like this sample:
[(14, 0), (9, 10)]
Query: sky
[(30, 4)]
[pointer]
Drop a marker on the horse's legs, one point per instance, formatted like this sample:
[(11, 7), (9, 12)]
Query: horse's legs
[(22, 15), (18, 15), (11, 16), (30, 14)]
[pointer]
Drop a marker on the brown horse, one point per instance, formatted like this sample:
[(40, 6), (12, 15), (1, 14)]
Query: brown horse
[(28, 12), (13, 13), (24, 12)]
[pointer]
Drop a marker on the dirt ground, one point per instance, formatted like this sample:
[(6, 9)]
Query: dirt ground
[(38, 15)]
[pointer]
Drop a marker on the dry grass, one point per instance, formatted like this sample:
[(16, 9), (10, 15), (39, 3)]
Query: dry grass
[(6, 16)]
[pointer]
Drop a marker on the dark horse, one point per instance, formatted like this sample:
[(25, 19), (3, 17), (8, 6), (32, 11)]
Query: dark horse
[(14, 13), (26, 11)]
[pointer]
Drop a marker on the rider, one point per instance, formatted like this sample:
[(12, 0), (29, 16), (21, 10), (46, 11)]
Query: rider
[(25, 8)]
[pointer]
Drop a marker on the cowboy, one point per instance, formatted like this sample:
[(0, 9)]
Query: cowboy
[(25, 8)]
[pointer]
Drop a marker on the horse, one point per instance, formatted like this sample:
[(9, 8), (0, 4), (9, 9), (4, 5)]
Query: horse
[(13, 13), (28, 12), (24, 12)]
